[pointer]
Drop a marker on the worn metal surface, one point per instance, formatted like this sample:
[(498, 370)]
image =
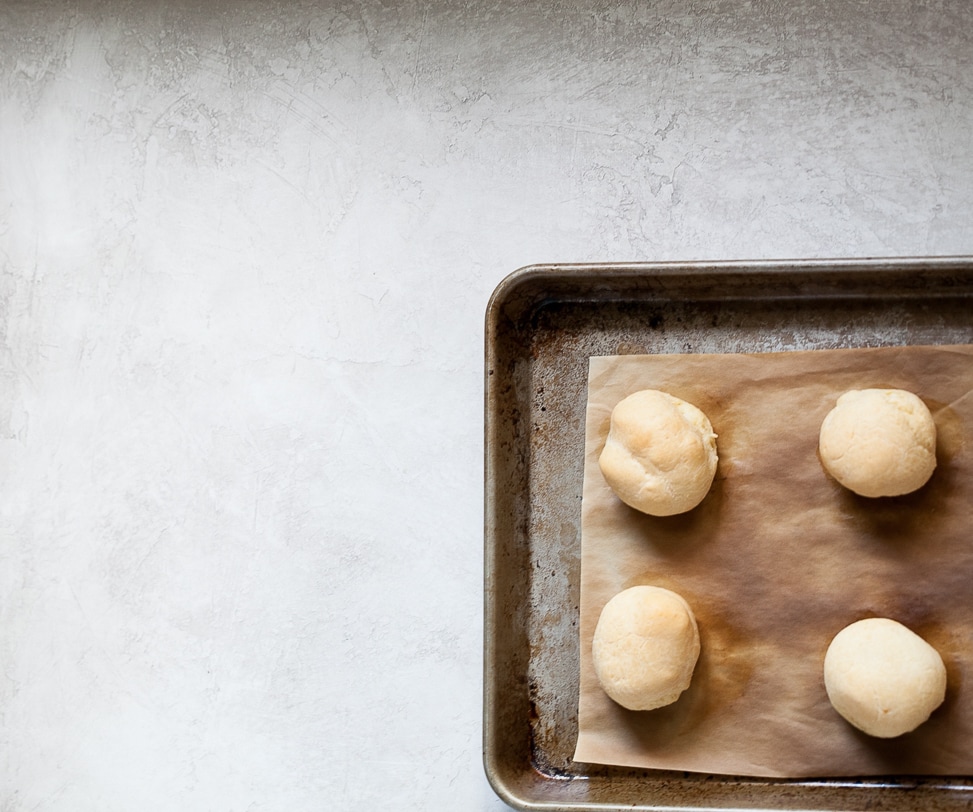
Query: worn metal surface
[(542, 325)]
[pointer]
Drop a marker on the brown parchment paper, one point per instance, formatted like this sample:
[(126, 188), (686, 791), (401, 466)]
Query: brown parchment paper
[(778, 559)]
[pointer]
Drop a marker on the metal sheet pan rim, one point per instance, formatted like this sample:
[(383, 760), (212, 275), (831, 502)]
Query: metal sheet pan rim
[(527, 787)]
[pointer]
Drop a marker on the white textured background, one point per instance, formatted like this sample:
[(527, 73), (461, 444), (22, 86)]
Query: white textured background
[(245, 250)]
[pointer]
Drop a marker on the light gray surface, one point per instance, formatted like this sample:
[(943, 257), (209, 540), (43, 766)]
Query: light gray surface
[(245, 250)]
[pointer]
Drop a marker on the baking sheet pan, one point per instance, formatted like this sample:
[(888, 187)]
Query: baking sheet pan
[(543, 323)]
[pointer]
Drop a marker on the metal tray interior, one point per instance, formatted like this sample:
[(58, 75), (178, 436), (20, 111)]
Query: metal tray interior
[(542, 325)]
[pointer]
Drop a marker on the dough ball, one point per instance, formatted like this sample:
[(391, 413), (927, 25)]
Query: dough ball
[(660, 454), (645, 647), (883, 678), (879, 442)]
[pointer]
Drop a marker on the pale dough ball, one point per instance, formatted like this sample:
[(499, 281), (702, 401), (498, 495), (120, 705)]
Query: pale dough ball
[(645, 647), (883, 677), (879, 442), (660, 454)]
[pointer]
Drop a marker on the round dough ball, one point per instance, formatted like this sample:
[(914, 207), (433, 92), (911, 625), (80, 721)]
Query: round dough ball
[(645, 647), (879, 442), (883, 677), (660, 454)]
